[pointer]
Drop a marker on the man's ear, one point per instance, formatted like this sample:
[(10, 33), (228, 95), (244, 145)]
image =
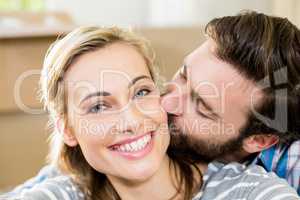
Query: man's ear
[(68, 137), (257, 143)]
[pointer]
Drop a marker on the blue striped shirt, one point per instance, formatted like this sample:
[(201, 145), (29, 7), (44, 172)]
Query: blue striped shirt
[(284, 160)]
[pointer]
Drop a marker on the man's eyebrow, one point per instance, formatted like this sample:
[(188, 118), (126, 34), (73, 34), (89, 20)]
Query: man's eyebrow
[(99, 93), (199, 99), (133, 81)]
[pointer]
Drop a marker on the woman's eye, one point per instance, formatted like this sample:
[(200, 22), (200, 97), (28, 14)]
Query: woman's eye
[(97, 108), (142, 93)]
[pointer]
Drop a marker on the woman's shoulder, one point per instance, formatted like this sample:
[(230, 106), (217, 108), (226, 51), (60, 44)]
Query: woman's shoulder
[(226, 181), (61, 188)]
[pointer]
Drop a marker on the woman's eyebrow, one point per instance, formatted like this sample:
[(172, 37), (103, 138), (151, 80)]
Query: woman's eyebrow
[(133, 81), (103, 93), (99, 93)]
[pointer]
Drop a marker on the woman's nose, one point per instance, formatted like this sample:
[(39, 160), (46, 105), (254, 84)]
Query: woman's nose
[(132, 120)]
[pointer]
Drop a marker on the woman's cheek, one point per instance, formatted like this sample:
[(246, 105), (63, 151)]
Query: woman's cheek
[(161, 119), (149, 105), (94, 131)]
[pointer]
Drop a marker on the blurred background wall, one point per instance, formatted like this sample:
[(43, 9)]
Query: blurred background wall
[(154, 12), (167, 12), (28, 27)]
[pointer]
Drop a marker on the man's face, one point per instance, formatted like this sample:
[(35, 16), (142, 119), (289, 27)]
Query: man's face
[(209, 101)]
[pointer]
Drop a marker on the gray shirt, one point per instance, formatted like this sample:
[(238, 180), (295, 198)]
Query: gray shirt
[(57, 188), (232, 181), (236, 181)]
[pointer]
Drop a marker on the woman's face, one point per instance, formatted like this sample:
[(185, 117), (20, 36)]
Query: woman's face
[(114, 113)]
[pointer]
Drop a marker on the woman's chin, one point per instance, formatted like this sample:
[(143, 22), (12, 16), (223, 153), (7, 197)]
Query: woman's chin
[(140, 170), (140, 174)]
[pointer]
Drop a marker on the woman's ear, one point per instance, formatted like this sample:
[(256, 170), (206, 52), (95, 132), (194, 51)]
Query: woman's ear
[(68, 137), (257, 143)]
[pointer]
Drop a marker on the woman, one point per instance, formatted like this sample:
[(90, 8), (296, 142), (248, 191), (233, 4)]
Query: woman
[(111, 135), (111, 138)]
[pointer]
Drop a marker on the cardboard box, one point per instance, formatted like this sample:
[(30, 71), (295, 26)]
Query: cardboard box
[(24, 39)]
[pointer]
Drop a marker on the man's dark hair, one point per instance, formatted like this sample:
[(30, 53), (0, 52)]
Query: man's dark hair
[(265, 50)]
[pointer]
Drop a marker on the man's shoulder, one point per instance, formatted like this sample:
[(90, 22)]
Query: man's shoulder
[(284, 160)]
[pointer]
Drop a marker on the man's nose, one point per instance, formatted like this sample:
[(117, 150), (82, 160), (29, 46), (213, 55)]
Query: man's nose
[(172, 100)]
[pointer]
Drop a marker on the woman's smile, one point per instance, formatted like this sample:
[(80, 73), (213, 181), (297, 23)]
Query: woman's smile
[(134, 148)]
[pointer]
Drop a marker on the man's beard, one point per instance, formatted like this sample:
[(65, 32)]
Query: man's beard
[(199, 149)]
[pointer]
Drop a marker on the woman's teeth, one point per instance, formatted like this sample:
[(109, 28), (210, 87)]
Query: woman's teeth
[(137, 145)]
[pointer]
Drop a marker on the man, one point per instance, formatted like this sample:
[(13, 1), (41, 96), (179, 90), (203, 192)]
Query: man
[(237, 96)]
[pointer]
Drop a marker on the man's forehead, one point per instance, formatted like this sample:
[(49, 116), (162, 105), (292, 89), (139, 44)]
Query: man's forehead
[(204, 67), (207, 47), (207, 79), (208, 75)]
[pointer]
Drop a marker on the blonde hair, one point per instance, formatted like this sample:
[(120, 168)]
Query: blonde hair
[(57, 61)]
